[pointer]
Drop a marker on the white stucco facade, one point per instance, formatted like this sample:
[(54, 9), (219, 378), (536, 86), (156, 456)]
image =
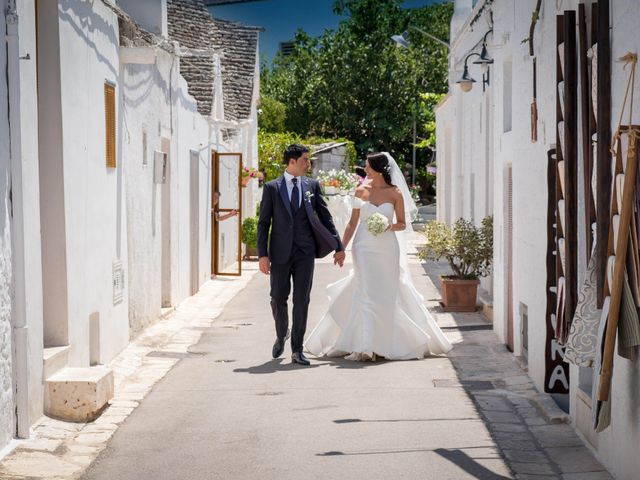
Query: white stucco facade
[(70, 226), (7, 420), (482, 136)]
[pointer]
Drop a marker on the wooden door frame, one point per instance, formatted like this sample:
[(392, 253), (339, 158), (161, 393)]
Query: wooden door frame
[(215, 244)]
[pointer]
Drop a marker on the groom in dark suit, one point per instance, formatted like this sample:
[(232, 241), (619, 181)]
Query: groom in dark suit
[(301, 230)]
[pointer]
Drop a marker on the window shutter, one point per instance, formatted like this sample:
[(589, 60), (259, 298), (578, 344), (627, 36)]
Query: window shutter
[(110, 124)]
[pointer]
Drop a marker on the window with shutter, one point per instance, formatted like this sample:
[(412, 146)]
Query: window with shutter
[(110, 124)]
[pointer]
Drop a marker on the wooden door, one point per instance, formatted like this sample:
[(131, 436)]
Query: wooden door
[(227, 234)]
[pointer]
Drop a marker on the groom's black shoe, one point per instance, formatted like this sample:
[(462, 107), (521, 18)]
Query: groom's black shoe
[(300, 359), (278, 346)]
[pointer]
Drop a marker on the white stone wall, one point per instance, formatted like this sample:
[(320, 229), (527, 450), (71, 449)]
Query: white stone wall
[(462, 135), (94, 195), (105, 214), (31, 236), (145, 89), (7, 420), (191, 133)]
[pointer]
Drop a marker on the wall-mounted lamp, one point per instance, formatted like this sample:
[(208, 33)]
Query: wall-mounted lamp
[(484, 60)]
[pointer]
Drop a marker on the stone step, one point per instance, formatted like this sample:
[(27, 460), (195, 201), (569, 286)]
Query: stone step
[(54, 359), (486, 302), (78, 394)]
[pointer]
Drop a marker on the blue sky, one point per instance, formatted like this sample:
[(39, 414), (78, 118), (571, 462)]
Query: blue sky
[(281, 18)]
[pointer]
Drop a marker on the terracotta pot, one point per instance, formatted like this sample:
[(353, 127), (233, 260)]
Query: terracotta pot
[(250, 252), (459, 295), (245, 181)]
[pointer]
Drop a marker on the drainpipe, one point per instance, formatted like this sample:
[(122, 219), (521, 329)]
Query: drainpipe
[(20, 329)]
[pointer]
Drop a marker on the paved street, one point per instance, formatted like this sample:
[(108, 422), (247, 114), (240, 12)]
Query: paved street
[(221, 408), (230, 411)]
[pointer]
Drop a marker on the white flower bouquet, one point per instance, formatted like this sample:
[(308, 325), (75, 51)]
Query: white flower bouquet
[(377, 224)]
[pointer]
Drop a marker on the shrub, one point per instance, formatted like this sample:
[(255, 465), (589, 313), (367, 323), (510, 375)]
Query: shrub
[(250, 232), (467, 248)]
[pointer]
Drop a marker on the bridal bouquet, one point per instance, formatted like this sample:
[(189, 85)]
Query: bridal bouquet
[(377, 224)]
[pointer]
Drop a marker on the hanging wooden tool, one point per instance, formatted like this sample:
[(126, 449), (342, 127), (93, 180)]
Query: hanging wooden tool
[(621, 239)]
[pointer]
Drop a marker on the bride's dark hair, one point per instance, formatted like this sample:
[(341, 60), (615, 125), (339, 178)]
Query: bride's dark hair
[(380, 163)]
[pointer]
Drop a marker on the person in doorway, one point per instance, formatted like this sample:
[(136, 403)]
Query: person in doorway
[(219, 218)]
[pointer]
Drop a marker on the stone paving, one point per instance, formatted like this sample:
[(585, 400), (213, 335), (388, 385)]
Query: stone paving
[(527, 426), (60, 450), (528, 429)]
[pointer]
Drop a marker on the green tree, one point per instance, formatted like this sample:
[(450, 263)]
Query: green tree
[(273, 115), (355, 83)]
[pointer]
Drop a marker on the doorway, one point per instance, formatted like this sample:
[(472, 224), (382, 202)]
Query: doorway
[(52, 204), (194, 220), (509, 255), (226, 252), (163, 171)]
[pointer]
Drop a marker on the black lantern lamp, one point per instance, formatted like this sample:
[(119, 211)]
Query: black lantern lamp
[(484, 59)]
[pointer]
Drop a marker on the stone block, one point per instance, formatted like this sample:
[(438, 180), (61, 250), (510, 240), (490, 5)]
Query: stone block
[(54, 359), (78, 394)]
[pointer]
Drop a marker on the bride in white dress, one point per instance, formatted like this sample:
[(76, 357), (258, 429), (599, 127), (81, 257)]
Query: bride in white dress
[(376, 309)]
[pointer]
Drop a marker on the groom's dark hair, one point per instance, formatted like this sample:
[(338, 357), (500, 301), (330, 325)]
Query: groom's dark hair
[(293, 152)]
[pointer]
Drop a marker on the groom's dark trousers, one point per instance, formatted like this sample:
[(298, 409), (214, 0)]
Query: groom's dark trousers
[(292, 249)]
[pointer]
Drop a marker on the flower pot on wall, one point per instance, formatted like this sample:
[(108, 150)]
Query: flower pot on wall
[(245, 181), (459, 295)]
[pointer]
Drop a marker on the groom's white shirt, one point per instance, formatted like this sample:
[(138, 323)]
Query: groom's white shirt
[(287, 178)]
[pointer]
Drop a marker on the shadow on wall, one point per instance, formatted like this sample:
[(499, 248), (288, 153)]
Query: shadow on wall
[(89, 24)]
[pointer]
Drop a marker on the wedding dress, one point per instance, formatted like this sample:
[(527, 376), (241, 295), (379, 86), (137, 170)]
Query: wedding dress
[(376, 309)]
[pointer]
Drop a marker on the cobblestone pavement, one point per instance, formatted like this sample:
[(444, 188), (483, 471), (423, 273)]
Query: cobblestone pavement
[(509, 429)]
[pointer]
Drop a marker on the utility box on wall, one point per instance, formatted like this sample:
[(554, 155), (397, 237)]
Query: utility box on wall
[(159, 167)]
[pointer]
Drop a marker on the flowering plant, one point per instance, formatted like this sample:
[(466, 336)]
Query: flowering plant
[(250, 172), (339, 179), (377, 224), (415, 192)]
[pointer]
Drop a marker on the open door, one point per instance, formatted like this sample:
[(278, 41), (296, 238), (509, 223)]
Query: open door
[(227, 234)]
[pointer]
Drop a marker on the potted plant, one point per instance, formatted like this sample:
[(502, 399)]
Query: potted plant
[(250, 236), (469, 251), (249, 173)]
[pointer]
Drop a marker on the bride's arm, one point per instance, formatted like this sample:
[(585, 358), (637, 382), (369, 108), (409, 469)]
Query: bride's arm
[(351, 227), (400, 218), (355, 217)]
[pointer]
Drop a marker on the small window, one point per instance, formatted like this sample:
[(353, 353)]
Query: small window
[(507, 96), (110, 123), (144, 148)]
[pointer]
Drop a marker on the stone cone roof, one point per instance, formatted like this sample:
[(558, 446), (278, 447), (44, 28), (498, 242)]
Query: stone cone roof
[(191, 25)]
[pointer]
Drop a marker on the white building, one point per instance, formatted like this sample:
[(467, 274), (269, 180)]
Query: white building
[(107, 157), (493, 155)]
